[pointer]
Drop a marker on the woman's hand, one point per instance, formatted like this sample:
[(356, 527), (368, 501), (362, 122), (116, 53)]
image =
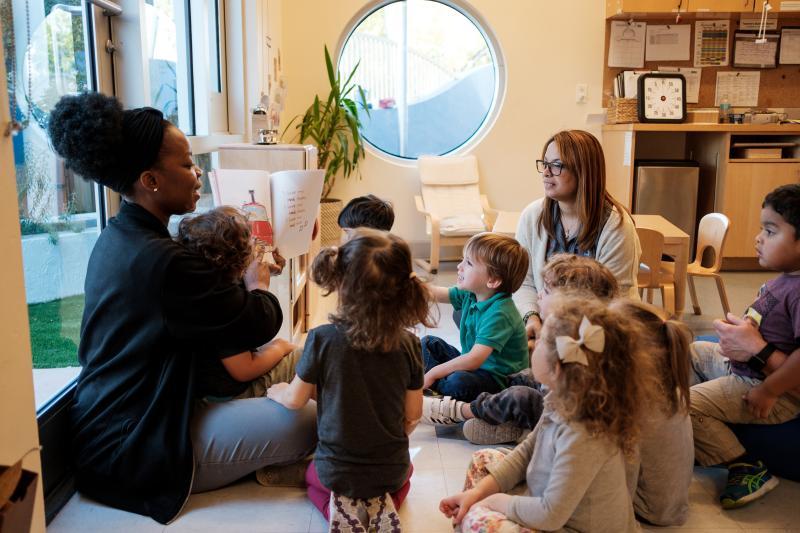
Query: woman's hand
[(456, 506), (533, 326), (257, 274)]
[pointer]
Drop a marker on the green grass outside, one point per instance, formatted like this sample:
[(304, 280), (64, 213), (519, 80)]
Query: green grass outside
[(55, 330)]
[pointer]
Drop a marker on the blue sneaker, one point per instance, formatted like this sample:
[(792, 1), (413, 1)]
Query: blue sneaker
[(746, 482)]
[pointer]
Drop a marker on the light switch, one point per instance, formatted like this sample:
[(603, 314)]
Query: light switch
[(580, 93)]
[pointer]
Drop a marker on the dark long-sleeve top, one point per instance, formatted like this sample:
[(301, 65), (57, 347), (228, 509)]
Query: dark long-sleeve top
[(152, 307)]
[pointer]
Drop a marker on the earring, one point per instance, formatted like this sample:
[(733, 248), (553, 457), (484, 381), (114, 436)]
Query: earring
[(155, 189)]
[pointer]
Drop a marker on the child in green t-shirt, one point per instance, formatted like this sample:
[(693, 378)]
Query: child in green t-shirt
[(493, 339)]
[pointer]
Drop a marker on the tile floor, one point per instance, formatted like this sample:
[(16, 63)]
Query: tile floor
[(439, 463)]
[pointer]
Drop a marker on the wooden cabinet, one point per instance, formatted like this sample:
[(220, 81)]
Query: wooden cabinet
[(740, 195), (723, 6), (728, 183)]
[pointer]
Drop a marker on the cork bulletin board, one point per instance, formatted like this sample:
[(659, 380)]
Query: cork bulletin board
[(779, 87)]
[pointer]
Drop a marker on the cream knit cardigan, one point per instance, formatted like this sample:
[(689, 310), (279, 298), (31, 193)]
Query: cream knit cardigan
[(618, 249)]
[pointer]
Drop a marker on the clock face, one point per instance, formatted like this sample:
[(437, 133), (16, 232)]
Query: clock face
[(663, 98)]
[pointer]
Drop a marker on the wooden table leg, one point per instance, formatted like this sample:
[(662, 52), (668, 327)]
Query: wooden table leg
[(681, 263)]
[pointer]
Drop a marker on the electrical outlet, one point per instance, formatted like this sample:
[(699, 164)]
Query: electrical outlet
[(580, 93)]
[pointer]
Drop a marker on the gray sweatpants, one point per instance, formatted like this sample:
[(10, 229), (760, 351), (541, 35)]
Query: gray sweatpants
[(235, 438)]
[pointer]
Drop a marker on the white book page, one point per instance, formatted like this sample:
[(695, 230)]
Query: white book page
[(296, 195)]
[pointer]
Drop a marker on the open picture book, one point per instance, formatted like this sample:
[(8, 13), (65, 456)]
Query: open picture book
[(280, 206)]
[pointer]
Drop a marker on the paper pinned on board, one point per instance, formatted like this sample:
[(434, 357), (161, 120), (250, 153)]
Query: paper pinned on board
[(740, 88), (290, 198), (668, 42), (711, 43), (790, 46), (749, 53), (626, 44), (692, 76)]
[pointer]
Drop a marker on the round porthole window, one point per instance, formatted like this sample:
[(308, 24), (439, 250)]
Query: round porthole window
[(430, 73)]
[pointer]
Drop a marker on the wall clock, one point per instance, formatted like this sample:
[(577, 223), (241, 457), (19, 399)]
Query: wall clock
[(662, 97)]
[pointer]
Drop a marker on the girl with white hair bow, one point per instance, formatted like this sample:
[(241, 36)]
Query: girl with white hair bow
[(573, 462)]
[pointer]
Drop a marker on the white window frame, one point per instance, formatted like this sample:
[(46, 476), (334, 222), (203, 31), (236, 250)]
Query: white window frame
[(498, 58)]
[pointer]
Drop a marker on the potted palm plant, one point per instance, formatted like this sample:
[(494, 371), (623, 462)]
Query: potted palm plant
[(333, 125)]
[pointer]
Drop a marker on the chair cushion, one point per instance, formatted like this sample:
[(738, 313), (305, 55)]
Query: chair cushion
[(461, 225), (451, 201), (449, 170), (776, 445)]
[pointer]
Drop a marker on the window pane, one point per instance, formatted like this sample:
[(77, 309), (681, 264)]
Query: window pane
[(215, 79), (57, 209), (207, 162), (166, 36), (429, 75)]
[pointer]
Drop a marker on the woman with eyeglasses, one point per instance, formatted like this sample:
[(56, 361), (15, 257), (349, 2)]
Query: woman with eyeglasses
[(577, 215)]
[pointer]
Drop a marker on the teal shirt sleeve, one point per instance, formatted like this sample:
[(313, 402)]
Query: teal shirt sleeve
[(457, 297)]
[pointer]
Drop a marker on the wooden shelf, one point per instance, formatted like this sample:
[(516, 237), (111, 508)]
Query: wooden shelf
[(765, 160), (707, 127)]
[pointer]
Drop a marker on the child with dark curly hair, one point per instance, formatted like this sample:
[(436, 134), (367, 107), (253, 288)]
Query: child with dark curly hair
[(222, 236), (366, 368)]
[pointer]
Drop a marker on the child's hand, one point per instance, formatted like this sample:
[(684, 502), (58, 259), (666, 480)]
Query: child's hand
[(276, 391), (276, 268), (257, 275), (429, 380), (760, 401), (739, 339), (281, 345), (456, 506), (497, 502)]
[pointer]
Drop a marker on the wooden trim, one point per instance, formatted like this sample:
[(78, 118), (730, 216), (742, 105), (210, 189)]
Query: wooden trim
[(742, 264)]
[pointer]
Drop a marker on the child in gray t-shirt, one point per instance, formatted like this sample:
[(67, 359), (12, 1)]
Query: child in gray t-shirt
[(366, 369)]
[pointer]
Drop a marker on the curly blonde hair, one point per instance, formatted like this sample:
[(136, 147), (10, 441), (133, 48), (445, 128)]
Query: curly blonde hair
[(379, 297), (222, 237), (576, 272), (607, 395)]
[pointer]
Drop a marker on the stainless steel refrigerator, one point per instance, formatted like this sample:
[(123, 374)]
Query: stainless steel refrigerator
[(669, 189)]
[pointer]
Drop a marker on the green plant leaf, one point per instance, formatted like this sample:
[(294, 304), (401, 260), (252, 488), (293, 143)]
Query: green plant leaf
[(329, 65), (332, 123)]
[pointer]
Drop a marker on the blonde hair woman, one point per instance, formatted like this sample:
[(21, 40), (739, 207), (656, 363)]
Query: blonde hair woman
[(577, 215)]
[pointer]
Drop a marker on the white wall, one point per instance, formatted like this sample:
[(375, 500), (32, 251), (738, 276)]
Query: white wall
[(548, 47), (17, 413)]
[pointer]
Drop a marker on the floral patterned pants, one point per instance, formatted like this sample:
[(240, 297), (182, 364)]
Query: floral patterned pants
[(481, 519), (374, 515)]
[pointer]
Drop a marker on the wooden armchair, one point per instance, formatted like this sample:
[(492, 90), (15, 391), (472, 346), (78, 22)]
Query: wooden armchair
[(451, 201)]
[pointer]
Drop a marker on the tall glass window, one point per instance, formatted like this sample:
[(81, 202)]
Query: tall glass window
[(430, 75), (166, 34), (58, 211)]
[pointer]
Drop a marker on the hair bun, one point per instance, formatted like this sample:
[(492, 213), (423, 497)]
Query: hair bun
[(86, 130)]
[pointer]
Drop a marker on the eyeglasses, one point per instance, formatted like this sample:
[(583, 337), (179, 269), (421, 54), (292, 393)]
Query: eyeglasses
[(555, 167)]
